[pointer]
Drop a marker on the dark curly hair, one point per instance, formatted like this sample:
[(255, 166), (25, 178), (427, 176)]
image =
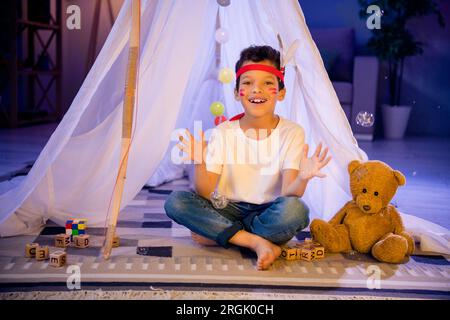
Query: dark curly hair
[(257, 54)]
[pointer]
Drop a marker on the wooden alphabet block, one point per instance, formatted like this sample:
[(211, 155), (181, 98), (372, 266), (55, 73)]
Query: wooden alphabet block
[(58, 259), (30, 250), (319, 251), (81, 241), (310, 250), (308, 253), (289, 253), (116, 241), (42, 253), (62, 240)]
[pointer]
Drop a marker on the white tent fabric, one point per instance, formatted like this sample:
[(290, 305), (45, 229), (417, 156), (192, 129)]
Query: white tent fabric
[(75, 173)]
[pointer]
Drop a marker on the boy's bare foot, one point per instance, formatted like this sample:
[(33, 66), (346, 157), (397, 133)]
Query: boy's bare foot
[(202, 240), (267, 253)]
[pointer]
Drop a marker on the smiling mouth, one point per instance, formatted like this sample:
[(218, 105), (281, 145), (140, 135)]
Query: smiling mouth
[(257, 101)]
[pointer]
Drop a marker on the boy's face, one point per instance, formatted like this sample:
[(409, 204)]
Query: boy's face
[(258, 91)]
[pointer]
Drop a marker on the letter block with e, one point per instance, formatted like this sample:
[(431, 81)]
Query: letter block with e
[(58, 259), (62, 240)]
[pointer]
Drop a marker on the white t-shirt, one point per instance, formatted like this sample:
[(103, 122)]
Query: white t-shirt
[(251, 169)]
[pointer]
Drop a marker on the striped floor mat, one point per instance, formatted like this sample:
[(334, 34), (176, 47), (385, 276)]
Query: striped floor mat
[(153, 249)]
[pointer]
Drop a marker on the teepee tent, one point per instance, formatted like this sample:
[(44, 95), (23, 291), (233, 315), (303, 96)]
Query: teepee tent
[(75, 173)]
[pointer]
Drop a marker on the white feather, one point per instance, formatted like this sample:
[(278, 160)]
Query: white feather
[(280, 43), (290, 52)]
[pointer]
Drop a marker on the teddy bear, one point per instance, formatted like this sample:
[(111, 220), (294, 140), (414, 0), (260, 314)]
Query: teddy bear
[(368, 223)]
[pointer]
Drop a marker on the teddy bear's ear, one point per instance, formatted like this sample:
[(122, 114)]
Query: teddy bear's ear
[(353, 165), (400, 177)]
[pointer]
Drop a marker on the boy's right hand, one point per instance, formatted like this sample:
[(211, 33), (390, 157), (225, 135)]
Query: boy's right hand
[(195, 149), (310, 167)]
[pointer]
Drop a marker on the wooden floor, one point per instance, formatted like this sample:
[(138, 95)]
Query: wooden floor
[(424, 161)]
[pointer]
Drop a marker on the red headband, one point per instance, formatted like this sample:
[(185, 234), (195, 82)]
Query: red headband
[(261, 67)]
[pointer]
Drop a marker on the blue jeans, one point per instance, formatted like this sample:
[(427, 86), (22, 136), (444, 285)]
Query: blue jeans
[(277, 221)]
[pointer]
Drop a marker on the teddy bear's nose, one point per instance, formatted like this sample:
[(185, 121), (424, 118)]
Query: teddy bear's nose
[(367, 208)]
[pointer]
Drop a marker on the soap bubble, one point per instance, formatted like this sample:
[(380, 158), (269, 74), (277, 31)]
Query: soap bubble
[(365, 119), (221, 35), (226, 75), (224, 3), (414, 173), (218, 201), (380, 13)]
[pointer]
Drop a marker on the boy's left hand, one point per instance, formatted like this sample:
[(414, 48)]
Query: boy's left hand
[(310, 167)]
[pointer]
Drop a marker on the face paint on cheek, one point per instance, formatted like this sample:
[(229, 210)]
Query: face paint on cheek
[(241, 92), (273, 91)]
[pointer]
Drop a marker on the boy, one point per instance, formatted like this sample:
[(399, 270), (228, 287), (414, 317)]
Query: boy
[(264, 210)]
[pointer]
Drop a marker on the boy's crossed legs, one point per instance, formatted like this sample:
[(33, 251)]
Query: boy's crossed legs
[(203, 240), (257, 227), (266, 251)]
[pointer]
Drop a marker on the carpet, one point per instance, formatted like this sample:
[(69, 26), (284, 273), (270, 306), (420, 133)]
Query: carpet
[(156, 251), (100, 294)]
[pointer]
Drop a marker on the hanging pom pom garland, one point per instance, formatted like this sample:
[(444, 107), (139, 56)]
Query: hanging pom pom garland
[(217, 108), (219, 119), (224, 3), (221, 35), (226, 75)]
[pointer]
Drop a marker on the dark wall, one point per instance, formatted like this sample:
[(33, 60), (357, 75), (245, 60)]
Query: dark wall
[(426, 84)]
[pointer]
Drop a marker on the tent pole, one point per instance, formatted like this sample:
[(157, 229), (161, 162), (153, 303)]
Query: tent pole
[(127, 125)]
